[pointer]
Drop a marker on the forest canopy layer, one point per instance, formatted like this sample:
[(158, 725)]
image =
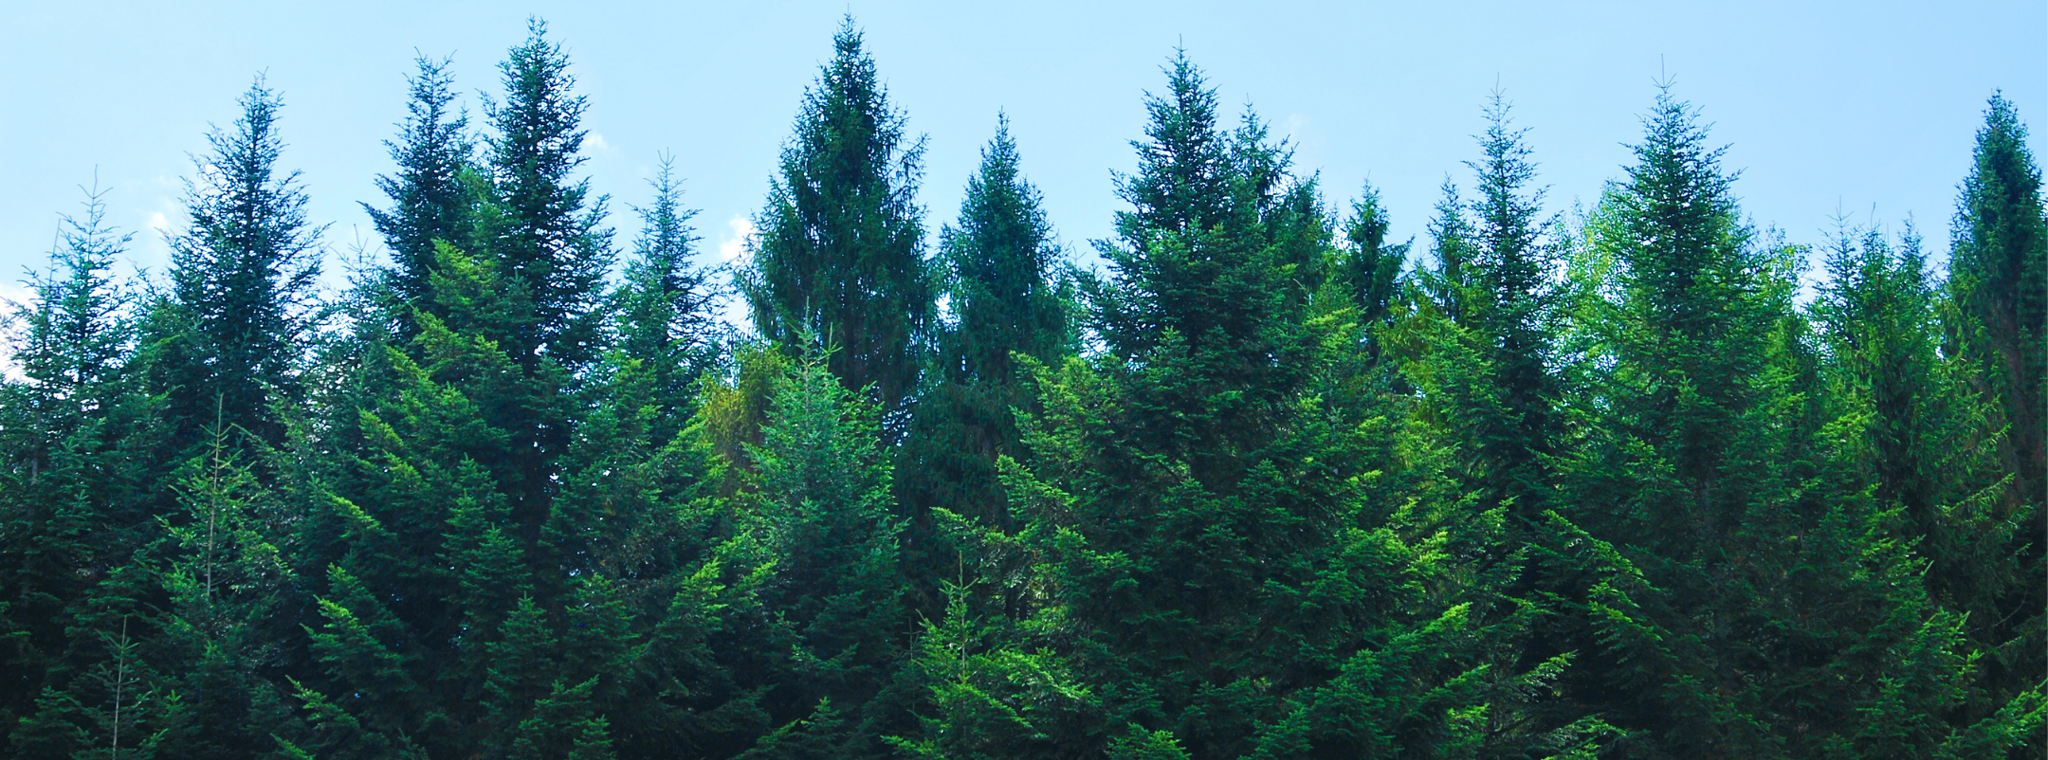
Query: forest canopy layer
[(1263, 484)]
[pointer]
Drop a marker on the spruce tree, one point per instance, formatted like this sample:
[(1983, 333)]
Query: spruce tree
[(242, 276), (75, 490), (839, 263), (1999, 323), (1930, 447), (1009, 296), (1739, 592), (665, 307), (1368, 269), (433, 189), (1212, 504), (545, 233)]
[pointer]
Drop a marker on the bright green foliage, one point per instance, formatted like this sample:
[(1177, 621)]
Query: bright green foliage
[(839, 264), (818, 503), (1999, 323), (1742, 592), (987, 698), (227, 581), (1211, 503), (242, 276)]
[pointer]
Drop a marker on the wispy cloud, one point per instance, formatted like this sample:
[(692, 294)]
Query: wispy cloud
[(733, 250), (735, 246)]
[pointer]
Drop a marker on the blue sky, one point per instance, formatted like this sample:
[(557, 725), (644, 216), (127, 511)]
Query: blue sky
[(1863, 108)]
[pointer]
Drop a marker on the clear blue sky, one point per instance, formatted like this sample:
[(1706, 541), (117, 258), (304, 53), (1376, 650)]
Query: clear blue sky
[(1827, 106)]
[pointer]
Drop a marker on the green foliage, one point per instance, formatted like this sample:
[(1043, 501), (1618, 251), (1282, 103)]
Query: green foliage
[(839, 262), (1742, 591), (1998, 322), (430, 197), (1248, 491), (242, 276)]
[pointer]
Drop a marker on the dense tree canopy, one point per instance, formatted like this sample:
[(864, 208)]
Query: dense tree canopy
[(1255, 485)]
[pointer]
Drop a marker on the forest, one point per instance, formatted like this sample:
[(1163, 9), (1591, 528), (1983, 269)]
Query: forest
[(1263, 483)]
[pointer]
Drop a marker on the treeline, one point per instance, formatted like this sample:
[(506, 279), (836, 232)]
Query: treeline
[(1265, 485)]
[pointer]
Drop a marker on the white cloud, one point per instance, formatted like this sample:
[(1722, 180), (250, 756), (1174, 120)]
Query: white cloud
[(732, 250), (596, 142), (1294, 126)]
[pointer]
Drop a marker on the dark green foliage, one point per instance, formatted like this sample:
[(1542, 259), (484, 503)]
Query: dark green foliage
[(1879, 317), (1004, 273), (1742, 592), (1999, 323), (550, 247), (1210, 503), (1487, 345), (1367, 269), (430, 197), (839, 263), (1011, 296), (242, 276), (665, 306), (818, 503)]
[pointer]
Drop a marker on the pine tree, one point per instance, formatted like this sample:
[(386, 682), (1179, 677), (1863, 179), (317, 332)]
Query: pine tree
[(839, 263), (242, 277), (549, 256), (988, 698)]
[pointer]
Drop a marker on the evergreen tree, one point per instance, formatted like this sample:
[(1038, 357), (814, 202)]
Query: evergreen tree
[(2000, 324), (818, 502), (548, 244), (224, 633), (433, 189), (1930, 449), (839, 263), (665, 307), (1740, 592), (1009, 296), (1369, 270), (242, 277), (75, 488), (1211, 504)]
